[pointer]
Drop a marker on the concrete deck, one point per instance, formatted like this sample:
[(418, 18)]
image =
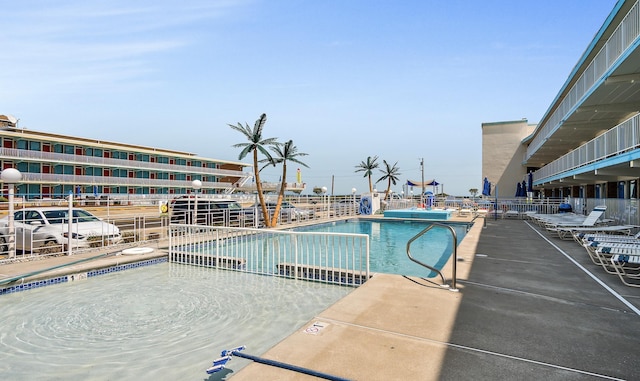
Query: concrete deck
[(524, 311), (530, 306)]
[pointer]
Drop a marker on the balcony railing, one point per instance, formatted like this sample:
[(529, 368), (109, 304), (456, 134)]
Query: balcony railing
[(50, 178), (51, 157), (624, 36), (622, 138)]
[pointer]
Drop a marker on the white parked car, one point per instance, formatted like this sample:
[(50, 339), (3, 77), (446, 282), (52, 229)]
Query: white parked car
[(49, 226)]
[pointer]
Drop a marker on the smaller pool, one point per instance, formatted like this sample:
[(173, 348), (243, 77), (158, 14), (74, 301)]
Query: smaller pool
[(423, 214), (388, 243)]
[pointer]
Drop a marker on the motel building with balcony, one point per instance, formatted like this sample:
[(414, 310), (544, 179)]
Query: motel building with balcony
[(53, 166), (587, 144)]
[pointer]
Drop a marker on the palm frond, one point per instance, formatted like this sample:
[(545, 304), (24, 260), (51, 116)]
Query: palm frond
[(259, 125)]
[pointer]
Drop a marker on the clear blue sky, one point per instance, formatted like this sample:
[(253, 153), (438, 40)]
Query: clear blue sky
[(344, 79)]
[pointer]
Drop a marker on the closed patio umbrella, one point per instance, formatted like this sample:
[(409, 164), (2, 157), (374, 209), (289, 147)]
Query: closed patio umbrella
[(486, 187), (530, 182)]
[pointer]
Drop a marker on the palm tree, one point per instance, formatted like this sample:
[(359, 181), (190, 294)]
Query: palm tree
[(391, 174), (474, 192), (288, 152), (367, 167), (255, 143)]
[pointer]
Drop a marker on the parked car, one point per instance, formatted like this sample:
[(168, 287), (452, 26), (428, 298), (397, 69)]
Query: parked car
[(49, 226), (288, 211), (210, 212)]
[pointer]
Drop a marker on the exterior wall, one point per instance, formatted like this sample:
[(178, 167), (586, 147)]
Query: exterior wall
[(502, 155), (55, 165)]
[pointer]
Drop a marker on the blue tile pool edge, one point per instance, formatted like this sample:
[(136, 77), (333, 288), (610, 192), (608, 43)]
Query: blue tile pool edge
[(78, 276)]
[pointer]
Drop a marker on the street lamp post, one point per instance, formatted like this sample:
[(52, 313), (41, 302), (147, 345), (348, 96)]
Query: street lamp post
[(355, 206), (422, 193), (197, 185), (324, 192), (11, 176)]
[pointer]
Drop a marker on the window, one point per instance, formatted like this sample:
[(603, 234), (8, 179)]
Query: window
[(34, 146), (67, 169)]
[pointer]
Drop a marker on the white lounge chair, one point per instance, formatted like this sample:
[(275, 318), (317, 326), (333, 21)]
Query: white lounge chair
[(603, 254), (511, 214), (600, 252), (563, 229), (616, 233), (463, 212), (627, 267), (544, 219)]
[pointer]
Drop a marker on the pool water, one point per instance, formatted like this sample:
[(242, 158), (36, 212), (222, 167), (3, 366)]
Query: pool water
[(388, 243), (160, 322)]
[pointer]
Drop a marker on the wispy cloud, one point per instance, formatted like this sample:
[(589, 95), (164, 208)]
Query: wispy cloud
[(51, 46)]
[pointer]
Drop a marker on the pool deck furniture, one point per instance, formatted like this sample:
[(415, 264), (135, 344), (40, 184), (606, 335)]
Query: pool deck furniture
[(512, 214), (569, 232), (627, 267)]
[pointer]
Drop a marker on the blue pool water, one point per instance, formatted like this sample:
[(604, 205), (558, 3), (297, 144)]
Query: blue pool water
[(388, 243), (428, 214)]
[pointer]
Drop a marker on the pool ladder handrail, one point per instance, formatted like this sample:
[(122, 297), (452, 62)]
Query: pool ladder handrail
[(455, 255)]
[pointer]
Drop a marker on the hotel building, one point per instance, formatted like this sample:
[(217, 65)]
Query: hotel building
[(587, 144), (53, 166)]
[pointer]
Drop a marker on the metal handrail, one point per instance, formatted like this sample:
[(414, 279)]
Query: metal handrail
[(455, 254)]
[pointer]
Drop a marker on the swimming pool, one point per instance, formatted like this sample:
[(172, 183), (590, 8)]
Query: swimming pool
[(160, 322), (388, 240)]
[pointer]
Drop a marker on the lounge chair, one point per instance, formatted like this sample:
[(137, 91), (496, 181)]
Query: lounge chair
[(482, 212), (464, 211), (627, 267), (603, 254), (511, 214), (563, 229), (544, 219), (600, 252), (616, 233)]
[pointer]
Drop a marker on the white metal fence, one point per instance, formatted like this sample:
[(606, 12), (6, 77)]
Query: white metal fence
[(323, 257)]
